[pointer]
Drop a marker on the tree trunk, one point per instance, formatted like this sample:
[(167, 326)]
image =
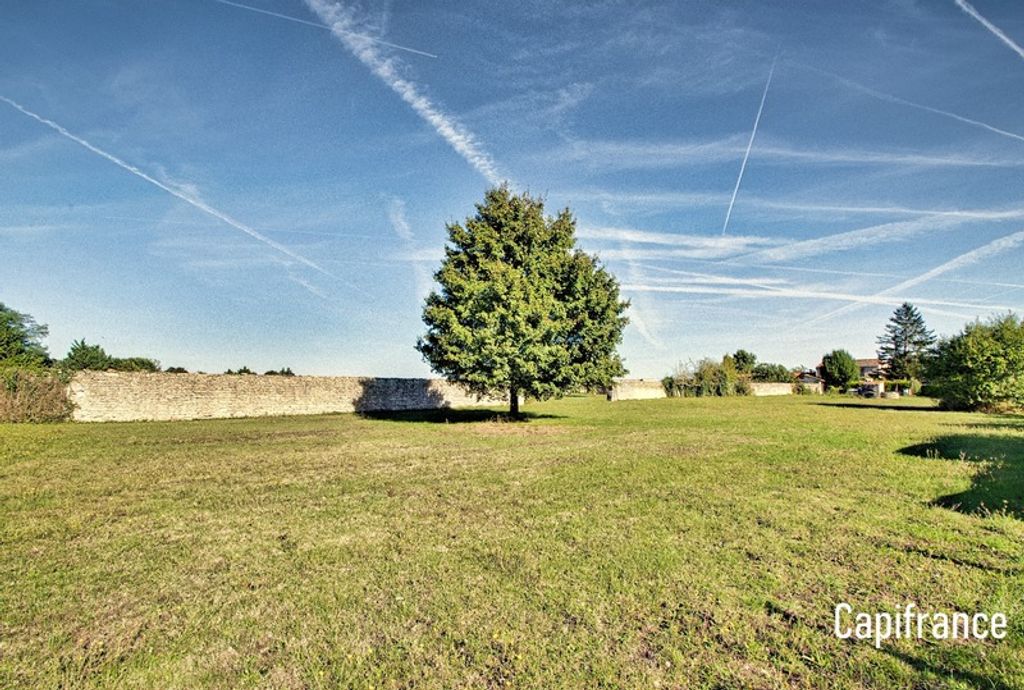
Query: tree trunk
[(513, 401)]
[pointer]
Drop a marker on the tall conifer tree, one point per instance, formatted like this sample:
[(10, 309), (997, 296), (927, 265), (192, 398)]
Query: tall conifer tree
[(904, 343)]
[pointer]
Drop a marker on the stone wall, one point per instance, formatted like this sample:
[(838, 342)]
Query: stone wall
[(646, 389), (110, 396), (763, 388), (636, 389)]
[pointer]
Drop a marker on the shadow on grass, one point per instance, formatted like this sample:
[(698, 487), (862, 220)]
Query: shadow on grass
[(969, 678), (448, 415), (882, 405), (1007, 422), (998, 487)]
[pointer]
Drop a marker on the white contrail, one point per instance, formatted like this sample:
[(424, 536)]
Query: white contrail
[(187, 198), (969, 9), (997, 246), (881, 95), (387, 70), (750, 144), (803, 293), (297, 20), (727, 245), (875, 235)]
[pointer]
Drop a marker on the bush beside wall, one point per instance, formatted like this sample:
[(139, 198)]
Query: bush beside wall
[(33, 395)]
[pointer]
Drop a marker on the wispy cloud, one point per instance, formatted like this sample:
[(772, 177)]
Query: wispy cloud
[(750, 145), (342, 20), (299, 20), (723, 246), (996, 31), (400, 224), (875, 235), (987, 250), (636, 155), (979, 214), (188, 197), (802, 293), (613, 200), (881, 95)]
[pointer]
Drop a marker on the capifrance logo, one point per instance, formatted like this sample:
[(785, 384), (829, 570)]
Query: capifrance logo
[(912, 623)]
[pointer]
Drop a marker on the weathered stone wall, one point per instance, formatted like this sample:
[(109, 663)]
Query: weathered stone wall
[(646, 389), (636, 389), (763, 388), (110, 396)]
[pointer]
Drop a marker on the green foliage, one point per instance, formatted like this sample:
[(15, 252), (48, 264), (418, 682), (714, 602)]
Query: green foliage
[(286, 371), (745, 361), (84, 356), (521, 310), (32, 394), (669, 384), (707, 378), (21, 339), (176, 370), (904, 344), (133, 364), (981, 368), (839, 369), (240, 370), (771, 373)]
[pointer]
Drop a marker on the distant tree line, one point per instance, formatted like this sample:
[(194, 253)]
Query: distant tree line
[(733, 375)]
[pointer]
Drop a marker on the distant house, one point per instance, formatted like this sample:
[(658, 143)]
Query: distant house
[(810, 380), (870, 369)]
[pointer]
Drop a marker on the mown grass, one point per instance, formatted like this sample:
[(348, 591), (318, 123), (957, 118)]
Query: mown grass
[(666, 543)]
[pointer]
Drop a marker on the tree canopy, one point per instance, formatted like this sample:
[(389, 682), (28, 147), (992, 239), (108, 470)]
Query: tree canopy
[(21, 339), (744, 361), (905, 342), (839, 369), (980, 368), (521, 310)]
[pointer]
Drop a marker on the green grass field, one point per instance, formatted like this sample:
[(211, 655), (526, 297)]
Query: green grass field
[(668, 543)]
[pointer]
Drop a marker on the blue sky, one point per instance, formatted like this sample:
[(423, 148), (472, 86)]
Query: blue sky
[(232, 187)]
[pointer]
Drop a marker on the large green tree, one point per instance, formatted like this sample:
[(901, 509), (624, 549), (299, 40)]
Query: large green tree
[(904, 343), (521, 310), (839, 369), (21, 339), (980, 368)]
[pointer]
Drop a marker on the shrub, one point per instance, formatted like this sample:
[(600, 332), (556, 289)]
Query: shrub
[(286, 371), (176, 370), (707, 378), (980, 368), (839, 369), (33, 395), (239, 370), (744, 386), (671, 389), (84, 356), (133, 364)]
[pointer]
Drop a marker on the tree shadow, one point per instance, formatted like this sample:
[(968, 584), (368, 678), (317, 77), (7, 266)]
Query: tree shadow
[(998, 487), (969, 678), (1006, 422), (451, 415), (872, 405), (420, 400)]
